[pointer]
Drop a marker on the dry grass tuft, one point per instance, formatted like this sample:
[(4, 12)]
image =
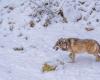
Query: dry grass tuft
[(89, 29), (31, 23), (47, 67), (18, 49)]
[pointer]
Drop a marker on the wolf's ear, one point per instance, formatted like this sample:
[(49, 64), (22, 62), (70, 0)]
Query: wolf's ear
[(64, 40), (61, 38)]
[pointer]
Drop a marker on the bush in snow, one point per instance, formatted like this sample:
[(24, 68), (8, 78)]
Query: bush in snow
[(47, 67), (47, 12)]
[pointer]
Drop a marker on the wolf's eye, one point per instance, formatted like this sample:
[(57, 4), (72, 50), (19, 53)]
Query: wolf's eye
[(59, 43)]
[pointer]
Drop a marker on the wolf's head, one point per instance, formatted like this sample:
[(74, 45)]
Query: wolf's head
[(61, 44)]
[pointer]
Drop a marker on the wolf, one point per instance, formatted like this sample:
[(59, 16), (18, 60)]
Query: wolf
[(76, 45)]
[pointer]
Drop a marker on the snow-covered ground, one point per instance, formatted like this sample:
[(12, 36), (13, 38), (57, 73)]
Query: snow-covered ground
[(36, 43)]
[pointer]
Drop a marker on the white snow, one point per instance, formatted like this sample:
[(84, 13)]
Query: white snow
[(39, 41)]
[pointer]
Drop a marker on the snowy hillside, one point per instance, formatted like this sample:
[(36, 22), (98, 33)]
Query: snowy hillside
[(25, 44)]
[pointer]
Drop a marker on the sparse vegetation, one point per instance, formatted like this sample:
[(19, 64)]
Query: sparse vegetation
[(18, 49), (47, 67), (89, 28), (48, 9), (31, 23)]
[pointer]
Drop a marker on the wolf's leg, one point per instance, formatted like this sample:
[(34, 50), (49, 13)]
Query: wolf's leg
[(97, 58), (72, 56)]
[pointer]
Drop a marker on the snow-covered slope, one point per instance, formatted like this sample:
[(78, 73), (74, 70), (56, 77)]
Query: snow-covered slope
[(24, 49)]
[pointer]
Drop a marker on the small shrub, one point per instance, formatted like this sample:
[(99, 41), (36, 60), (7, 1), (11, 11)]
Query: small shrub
[(18, 49), (31, 23), (47, 67), (47, 22), (89, 28), (11, 8), (62, 15)]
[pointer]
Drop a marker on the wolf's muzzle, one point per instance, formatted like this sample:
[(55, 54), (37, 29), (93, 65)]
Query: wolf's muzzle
[(56, 48)]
